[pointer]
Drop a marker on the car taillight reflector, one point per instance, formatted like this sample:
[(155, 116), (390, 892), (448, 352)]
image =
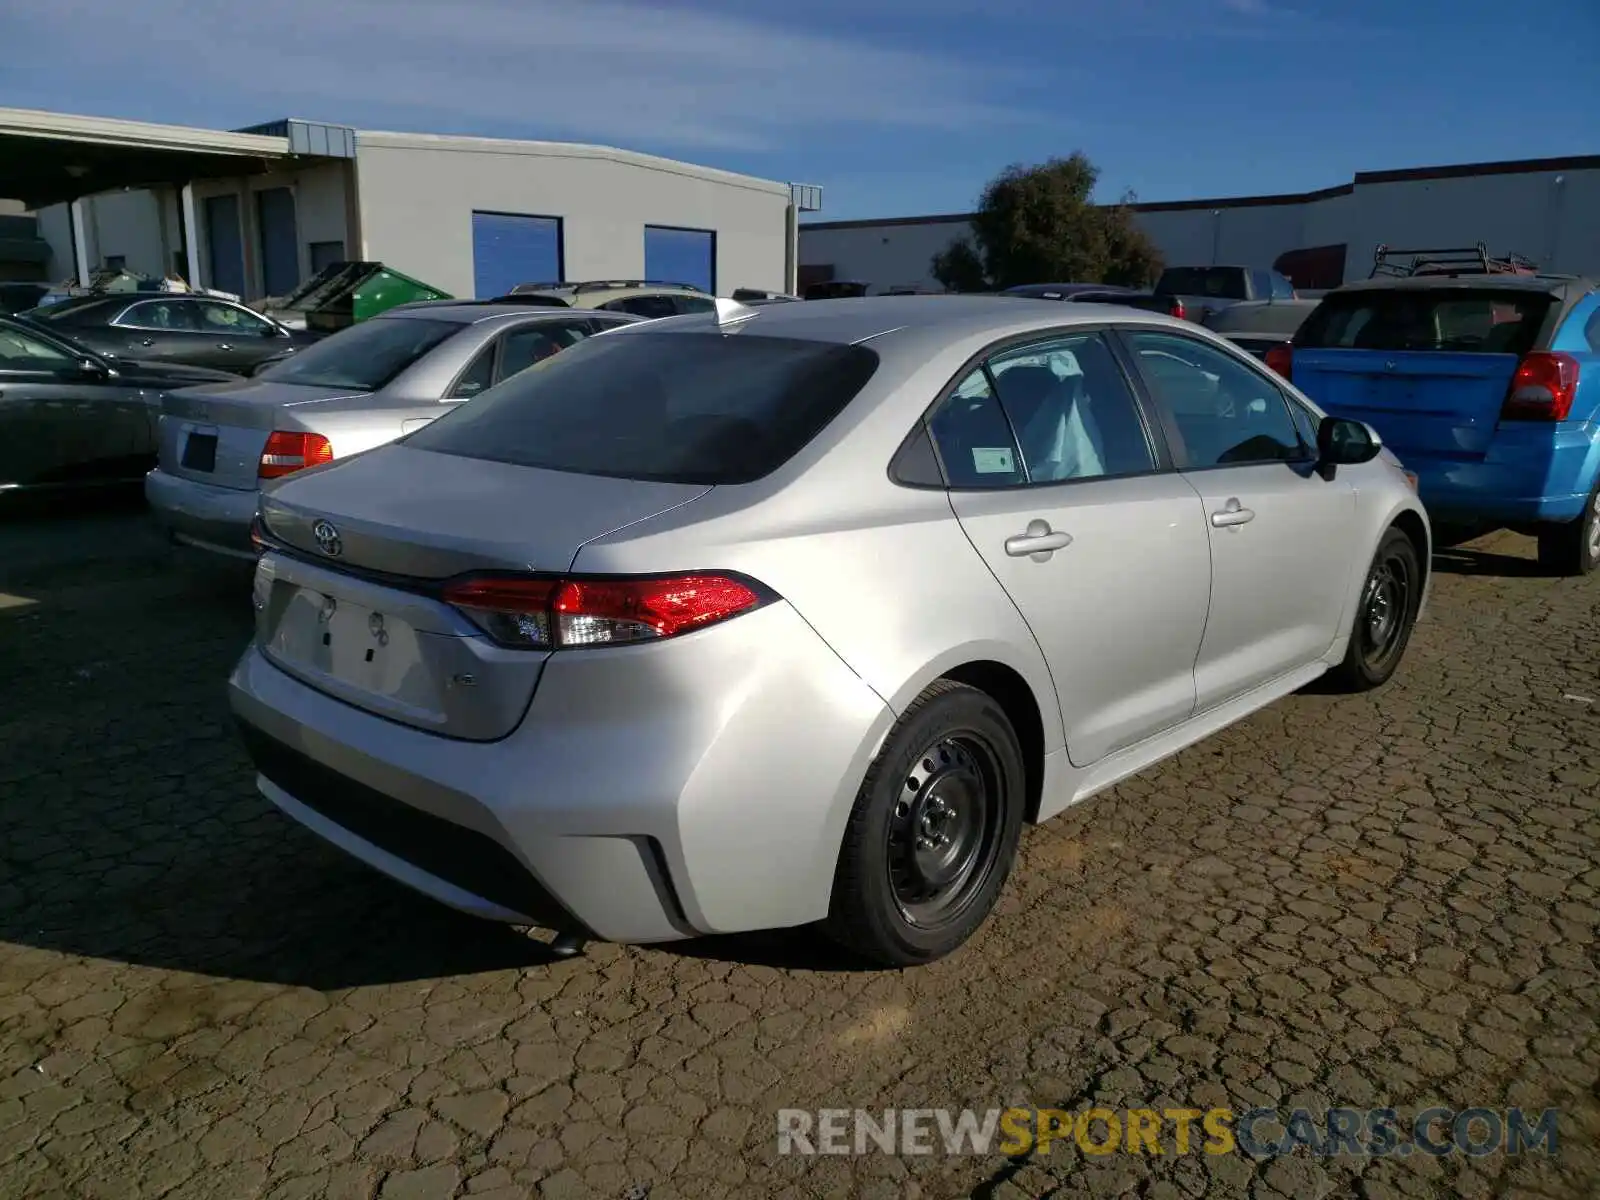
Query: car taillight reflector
[(553, 613), (1177, 309), (286, 453), (1542, 389), (1281, 359)]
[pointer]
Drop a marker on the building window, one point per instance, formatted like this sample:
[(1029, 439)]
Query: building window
[(681, 256), (510, 248), (324, 255)]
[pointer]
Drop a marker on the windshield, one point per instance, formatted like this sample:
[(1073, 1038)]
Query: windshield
[(365, 356), (675, 408), (1485, 321)]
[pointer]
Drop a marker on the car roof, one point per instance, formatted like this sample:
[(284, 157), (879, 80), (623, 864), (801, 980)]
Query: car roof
[(856, 319), (1555, 285)]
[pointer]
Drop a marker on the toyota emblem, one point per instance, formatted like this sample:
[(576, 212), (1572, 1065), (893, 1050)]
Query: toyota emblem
[(327, 539)]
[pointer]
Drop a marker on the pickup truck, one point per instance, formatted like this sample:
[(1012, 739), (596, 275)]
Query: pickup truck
[(1204, 290)]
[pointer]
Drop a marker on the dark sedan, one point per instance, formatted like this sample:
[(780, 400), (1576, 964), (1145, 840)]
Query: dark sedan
[(69, 416), (172, 327)]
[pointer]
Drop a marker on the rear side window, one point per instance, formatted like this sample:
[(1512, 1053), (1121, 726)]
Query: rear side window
[(1486, 321), (674, 408)]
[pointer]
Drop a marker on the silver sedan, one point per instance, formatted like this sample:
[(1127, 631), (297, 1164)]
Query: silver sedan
[(364, 386), (797, 613)]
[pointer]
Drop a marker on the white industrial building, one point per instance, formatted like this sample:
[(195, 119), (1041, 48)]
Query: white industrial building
[(257, 211), (1546, 209)]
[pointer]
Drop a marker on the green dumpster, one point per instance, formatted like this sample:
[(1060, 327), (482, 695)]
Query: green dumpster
[(346, 292)]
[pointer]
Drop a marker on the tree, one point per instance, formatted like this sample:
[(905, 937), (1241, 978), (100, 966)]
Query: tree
[(1037, 225)]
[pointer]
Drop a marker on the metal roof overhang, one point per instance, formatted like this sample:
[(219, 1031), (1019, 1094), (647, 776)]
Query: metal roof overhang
[(49, 158)]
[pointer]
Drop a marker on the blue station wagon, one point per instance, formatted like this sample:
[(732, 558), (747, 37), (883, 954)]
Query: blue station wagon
[(1487, 387)]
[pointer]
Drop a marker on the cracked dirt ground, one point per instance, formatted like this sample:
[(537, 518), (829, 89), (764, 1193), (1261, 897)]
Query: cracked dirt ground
[(1391, 899)]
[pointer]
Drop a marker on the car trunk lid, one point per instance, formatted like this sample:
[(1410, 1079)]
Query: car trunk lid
[(1438, 404), (216, 434), (353, 608)]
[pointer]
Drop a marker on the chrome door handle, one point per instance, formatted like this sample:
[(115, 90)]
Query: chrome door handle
[(224, 346), (1233, 514), (1039, 542), (147, 341)]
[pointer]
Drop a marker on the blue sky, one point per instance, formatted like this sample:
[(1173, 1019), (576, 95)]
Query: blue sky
[(895, 107)]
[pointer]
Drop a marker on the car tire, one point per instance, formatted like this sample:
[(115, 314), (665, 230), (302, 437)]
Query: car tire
[(1573, 548), (934, 831), (1386, 611)]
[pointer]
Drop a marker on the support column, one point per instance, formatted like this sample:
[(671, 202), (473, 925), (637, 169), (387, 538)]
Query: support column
[(191, 234), (791, 249), (80, 242)]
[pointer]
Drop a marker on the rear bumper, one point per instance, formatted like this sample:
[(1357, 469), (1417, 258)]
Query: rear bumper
[(1535, 482), (651, 793), (203, 515)]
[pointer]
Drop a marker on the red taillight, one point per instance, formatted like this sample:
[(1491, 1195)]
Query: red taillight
[(1280, 358), (551, 613), (286, 453), (1542, 389), (1176, 310)]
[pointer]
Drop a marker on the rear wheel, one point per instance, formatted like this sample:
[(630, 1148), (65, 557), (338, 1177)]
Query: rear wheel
[(934, 830), (1574, 548), (1385, 613)]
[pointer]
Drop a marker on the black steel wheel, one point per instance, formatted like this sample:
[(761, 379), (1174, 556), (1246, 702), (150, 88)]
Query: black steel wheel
[(1385, 613), (934, 830)]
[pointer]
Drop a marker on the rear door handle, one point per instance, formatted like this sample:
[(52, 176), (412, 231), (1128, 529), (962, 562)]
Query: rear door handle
[(1232, 515), (224, 346), (1038, 543), (147, 341)]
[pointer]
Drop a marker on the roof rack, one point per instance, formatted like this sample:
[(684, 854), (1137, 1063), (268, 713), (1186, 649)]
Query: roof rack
[(600, 285), (1450, 260)]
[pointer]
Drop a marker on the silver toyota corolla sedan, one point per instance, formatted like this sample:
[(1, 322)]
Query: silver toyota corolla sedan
[(363, 386), (795, 614)]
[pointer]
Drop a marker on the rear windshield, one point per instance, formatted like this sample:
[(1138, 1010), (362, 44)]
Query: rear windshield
[(364, 357), (1223, 283), (1487, 321), (674, 408)]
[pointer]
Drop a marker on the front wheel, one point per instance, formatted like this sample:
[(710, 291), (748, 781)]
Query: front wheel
[(1385, 614), (934, 830), (1574, 548)]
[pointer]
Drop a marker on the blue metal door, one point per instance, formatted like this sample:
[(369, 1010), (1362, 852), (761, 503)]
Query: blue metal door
[(280, 245), (224, 244), (681, 256), (509, 248)]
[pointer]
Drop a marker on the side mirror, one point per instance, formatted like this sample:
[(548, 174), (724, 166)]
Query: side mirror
[(1342, 442), (91, 369)]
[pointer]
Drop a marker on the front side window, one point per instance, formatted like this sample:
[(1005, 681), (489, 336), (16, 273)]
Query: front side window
[(225, 318), (363, 357), (161, 314), (674, 408), (1226, 413)]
